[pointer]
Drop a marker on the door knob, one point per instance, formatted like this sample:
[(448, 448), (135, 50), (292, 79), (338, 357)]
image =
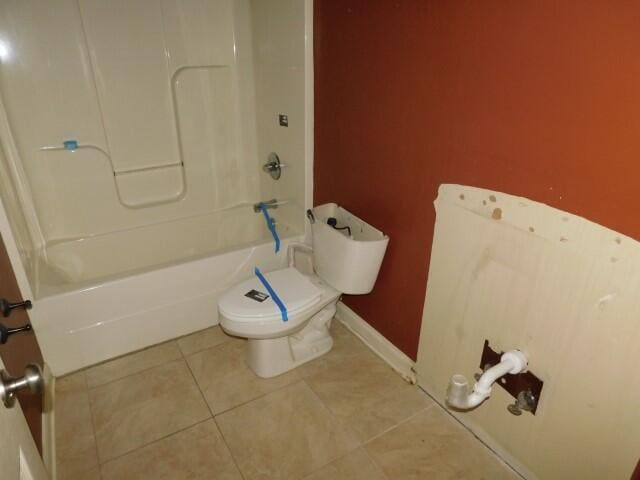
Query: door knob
[(9, 385), (6, 332), (7, 307)]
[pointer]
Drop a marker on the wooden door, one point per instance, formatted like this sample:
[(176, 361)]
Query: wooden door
[(19, 457), (21, 348)]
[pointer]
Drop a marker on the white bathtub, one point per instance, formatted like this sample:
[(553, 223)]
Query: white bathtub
[(108, 295)]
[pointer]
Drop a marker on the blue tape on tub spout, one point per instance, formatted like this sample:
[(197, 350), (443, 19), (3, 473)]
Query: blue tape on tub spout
[(270, 225), (274, 295)]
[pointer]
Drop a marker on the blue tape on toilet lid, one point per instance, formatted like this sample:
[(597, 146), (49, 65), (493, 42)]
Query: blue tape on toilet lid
[(274, 295), (294, 289)]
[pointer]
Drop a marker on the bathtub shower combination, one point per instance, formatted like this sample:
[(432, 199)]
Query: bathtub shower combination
[(134, 135)]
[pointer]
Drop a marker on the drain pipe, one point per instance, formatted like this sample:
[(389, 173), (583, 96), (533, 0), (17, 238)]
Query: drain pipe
[(458, 396)]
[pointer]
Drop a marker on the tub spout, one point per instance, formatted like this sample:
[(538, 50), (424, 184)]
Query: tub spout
[(458, 395), (268, 204)]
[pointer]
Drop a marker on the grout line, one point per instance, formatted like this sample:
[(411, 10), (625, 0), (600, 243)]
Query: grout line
[(185, 355), (85, 394), (133, 373), (175, 340), (373, 461), (488, 447), (233, 458), (293, 382), (101, 462), (164, 437), (410, 417), (93, 423), (339, 421), (360, 447), (195, 380)]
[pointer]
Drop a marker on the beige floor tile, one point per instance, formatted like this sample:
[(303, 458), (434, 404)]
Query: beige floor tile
[(368, 395), (346, 347), (202, 340), (354, 466), (133, 363), (284, 435), (93, 474), (433, 445), (197, 453), (387, 411), (71, 383), (141, 408), (76, 452), (226, 380)]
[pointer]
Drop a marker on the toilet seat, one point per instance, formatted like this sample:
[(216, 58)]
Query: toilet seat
[(244, 304)]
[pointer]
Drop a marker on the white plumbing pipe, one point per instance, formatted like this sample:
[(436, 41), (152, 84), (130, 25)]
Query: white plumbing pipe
[(458, 396)]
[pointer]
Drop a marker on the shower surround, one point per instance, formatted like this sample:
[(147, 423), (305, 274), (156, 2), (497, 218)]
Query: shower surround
[(133, 136)]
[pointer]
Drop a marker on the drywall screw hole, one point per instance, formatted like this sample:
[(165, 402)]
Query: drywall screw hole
[(492, 198), (461, 196), (531, 229)]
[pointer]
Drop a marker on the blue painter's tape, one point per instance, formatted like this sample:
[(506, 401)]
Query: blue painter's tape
[(270, 225), (70, 145), (274, 295)]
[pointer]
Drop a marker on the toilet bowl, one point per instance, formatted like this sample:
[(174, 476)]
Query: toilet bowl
[(287, 323), (276, 346)]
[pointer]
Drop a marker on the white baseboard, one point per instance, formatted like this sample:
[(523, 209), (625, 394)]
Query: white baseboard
[(382, 347)]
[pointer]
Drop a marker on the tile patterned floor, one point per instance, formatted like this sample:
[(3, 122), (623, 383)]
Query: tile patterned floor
[(192, 409)]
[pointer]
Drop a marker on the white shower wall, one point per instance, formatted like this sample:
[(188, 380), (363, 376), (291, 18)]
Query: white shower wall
[(174, 105), (279, 59), (144, 85)]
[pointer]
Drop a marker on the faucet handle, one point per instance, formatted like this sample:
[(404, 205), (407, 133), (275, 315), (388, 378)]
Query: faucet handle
[(273, 166), (525, 400)]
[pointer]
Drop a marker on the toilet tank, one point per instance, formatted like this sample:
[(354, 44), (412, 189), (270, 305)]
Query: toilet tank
[(349, 263)]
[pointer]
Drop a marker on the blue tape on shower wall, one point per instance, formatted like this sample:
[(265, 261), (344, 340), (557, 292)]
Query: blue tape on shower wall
[(70, 145), (270, 225), (274, 295)]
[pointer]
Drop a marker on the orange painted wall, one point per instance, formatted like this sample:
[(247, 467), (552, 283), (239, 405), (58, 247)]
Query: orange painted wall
[(539, 99)]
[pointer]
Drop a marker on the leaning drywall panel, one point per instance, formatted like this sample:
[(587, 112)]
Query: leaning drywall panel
[(564, 290)]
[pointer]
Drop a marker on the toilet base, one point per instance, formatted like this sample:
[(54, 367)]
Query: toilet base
[(274, 356)]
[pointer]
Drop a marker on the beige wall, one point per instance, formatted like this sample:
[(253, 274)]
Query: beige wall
[(563, 290)]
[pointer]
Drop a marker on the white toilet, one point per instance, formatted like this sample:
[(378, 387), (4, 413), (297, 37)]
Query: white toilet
[(345, 260)]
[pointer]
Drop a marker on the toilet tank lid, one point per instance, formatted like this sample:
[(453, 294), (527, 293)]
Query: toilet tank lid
[(294, 289)]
